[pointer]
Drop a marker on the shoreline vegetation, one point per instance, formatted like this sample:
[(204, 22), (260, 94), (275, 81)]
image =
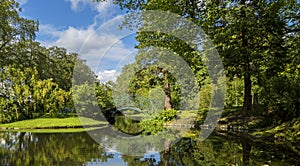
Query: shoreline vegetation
[(232, 120), (53, 124)]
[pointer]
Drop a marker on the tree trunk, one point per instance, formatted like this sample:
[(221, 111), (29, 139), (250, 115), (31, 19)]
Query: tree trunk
[(167, 91), (247, 88), (246, 152), (255, 99), (247, 74)]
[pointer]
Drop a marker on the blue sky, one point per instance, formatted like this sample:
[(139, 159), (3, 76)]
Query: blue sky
[(86, 27)]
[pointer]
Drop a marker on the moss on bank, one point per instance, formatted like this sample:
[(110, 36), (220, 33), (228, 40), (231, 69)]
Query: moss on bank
[(262, 126)]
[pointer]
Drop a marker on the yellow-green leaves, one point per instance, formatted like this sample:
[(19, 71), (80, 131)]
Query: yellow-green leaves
[(23, 94)]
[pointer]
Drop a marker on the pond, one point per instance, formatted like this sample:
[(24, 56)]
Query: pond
[(25, 148)]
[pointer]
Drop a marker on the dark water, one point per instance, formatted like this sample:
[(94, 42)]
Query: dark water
[(80, 149)]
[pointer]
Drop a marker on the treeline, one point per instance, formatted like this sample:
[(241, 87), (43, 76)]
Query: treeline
[(34, 80), (258, 41)]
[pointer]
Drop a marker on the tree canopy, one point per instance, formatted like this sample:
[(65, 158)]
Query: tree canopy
[(258, 41), (34, 80)]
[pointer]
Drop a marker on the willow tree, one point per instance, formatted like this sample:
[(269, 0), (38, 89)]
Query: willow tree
[(23, 95)]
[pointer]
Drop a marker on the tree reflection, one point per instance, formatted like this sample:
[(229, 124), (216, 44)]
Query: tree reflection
[(49, 149), (80, 148), (219, 149)]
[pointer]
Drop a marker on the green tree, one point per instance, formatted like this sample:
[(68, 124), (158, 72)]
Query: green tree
[(23, 95), (13, 29), (59, 66), (280, 91), (103, 92), (247, 34), (85, 101)]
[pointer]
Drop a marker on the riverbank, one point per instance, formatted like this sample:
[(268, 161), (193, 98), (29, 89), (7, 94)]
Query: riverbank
[(262, 127), (74, 123)]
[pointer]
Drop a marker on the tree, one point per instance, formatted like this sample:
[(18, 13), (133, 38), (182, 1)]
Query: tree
[(13, 29), (23, 95), (103, 92), (139, 79), (247, 34), (85, 101), (59, 66)]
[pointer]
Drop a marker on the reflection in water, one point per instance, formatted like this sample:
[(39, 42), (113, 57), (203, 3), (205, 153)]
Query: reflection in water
[(49, 149), (79, 149)]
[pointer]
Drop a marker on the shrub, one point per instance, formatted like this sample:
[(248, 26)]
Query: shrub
[(155, 125)]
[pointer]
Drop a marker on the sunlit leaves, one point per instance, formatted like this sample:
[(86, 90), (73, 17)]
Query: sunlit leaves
[(23, 95), (13, 28)]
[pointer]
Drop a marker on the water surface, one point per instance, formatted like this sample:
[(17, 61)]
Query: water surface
[(25, 148)]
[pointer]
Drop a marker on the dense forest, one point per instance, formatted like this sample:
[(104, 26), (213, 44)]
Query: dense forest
[(258, 41)]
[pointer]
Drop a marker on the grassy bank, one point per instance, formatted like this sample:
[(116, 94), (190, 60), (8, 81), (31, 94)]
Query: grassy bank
[(285, 132), (51, 123), (262, 126)]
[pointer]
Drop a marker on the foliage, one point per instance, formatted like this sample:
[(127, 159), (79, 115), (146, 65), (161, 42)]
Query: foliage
[(103, 92), (23, 94), (153, 70), (234, 92), (167, 115), (152, 126), (256, 39), (155, 125), (205, 96), (281, 96), (141, 81), (48, 89), (13, 29), (85, 101), (58, 65), (51, 63), (36, 80), (82, 73), (157, 99)]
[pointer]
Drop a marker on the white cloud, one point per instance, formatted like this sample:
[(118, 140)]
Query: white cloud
[(105, 9), (22, 2), (49, 30), (101, 7), (93, 43), (108, 75), (75, 4)]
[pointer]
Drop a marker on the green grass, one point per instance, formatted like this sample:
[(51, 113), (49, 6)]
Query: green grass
[(52, 123), (186, 114), (63, 130)]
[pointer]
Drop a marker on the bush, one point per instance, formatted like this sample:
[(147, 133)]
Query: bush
[(155, 125), (152, 126), (167, 115), (281, 96)]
